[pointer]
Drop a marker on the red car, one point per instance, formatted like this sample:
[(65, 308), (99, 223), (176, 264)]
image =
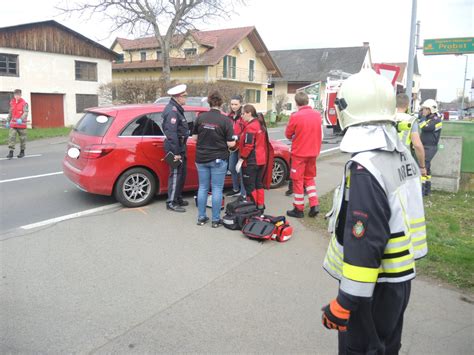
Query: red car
[(119, 151)]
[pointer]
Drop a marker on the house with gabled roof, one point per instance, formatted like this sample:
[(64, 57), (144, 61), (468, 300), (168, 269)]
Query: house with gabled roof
[(234, 55), (302, 67), (58, 70)]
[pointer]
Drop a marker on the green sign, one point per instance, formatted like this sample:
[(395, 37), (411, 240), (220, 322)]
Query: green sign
[(448, 46), (314, 93)]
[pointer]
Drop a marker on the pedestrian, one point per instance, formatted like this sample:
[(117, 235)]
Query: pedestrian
[(176, 130), (16, 121), (214, 134), (256, 156), (430, 134), (411, 137), (304, 131), (235, 115), (377, 211)]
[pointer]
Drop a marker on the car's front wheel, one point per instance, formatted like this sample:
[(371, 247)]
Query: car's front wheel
[(279, 173), (135, 187)]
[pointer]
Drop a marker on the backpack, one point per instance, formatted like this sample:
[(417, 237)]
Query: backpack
[(237, 213), (268, 227)]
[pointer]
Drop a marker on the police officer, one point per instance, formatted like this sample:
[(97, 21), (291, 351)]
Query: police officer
[(377, 222), (430, 133), (176, 130)]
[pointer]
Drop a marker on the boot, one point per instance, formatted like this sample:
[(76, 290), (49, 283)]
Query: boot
[(313, 212), (289, 192), (295, 213), (10, 155), (22, 154), (427, 188)]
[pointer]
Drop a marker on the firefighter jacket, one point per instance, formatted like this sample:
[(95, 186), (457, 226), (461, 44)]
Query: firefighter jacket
[(377, 223), (431, 130), (237, 122), (175, 128), (304, 131), (18, 111), (405, 135), (253, 144)]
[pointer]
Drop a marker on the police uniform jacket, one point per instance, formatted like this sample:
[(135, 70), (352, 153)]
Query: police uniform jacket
[(175, 128)]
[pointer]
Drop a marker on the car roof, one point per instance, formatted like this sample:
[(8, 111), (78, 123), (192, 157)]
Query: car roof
[(139, 108)]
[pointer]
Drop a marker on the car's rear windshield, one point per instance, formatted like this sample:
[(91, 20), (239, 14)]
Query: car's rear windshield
[(93, 124)]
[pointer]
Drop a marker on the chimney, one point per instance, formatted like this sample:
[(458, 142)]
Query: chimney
[(366, 44)]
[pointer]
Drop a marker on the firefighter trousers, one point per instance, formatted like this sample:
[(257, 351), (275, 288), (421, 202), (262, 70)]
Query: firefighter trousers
[(303, 172), (376, 326), (176, 180)]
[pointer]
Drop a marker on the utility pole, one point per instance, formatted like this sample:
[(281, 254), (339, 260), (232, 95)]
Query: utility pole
[(463, 87), (411, 53)]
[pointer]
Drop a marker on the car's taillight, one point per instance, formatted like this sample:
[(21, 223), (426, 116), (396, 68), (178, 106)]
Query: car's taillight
[(97, 151)]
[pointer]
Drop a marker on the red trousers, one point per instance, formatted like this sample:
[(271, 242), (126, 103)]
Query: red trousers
[(303, 172)]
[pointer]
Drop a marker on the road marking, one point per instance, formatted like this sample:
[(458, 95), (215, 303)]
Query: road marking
[(70, 216), (329, 150), (31, 177), (26, 156)]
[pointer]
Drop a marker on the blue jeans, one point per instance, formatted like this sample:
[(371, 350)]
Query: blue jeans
[(237, 178), (211, 173)]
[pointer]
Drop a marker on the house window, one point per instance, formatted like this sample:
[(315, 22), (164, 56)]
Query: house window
[(5, 98), (251, 70), (159, 55), (143, 56), (86, 71), (252, 96), (84, 101), (190, 52), (8, 64), (119, 58), (230, 64)]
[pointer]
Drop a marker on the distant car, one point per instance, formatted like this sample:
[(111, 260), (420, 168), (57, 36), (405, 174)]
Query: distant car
[(119, 151), (453, 115), (200, 101)]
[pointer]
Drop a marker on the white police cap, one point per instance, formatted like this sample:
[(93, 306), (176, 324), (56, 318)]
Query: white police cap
[(177, 90)]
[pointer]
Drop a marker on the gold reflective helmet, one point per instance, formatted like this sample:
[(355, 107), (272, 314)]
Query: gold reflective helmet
[(365, 97), (430, 104)]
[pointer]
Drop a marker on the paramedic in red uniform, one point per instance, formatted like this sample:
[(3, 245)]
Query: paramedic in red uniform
[(254, 156), (304, 131)]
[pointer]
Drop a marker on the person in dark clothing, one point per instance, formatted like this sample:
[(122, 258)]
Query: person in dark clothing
[(430, 134), (214, 134), (175, 128)]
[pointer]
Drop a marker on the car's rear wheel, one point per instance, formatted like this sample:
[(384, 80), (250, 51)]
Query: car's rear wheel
[(135, 187), (279, 173)]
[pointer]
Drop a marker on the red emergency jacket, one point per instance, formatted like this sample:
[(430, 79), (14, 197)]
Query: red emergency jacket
[(304, 131), (17, 109), (253, 144), (237, 122)]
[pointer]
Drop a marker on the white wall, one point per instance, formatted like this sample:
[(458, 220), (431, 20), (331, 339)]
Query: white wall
[(51, 73)]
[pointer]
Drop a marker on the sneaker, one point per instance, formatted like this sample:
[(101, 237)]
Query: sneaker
[(175, 208), (202, 221), (216, 224), (232, 193), (295, 213), (183, 203), (313, 212)]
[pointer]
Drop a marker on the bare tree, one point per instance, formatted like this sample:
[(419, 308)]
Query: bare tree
[(163, 18), (280, 101)]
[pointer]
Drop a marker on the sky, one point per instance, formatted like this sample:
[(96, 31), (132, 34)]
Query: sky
[(296, 24)]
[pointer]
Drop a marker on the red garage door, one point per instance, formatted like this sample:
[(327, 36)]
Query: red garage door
[(47, 110)]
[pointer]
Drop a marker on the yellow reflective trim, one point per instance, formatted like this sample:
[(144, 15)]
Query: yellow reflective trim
[(389, 250), (439, 125), (421, 246), (401, 268), (335, 249), (397, 260), (417, 239), (397, 240), (413, 230), (423, 124), (333, 265), (419, 220), (359, 273)]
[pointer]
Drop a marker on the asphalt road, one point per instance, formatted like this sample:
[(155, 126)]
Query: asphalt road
[(33, 189)]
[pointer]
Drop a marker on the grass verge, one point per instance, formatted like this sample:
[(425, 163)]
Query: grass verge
[(37, 133), (450, 230)]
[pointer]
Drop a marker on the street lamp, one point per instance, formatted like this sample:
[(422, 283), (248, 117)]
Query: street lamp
[(463, 85)]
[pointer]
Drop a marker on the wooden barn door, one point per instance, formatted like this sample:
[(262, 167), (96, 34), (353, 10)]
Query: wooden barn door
[(47, 110)]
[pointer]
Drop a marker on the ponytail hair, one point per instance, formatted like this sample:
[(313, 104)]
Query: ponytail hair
[(251, 109)]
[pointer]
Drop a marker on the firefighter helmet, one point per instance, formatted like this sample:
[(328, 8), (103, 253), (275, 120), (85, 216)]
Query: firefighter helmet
[(365, 97), (430, 104)]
